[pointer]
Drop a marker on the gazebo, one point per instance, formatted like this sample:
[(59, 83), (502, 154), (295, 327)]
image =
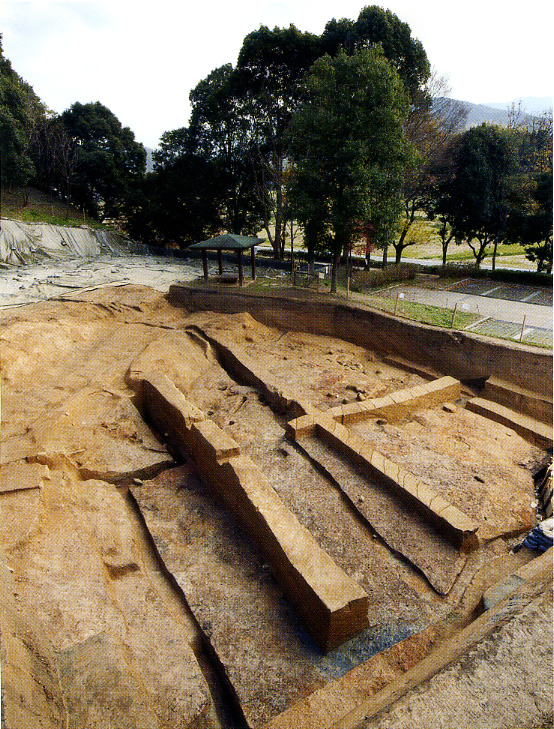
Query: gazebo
[(228, 242)]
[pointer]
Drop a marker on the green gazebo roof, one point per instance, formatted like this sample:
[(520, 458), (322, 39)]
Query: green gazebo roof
[(228, 242)]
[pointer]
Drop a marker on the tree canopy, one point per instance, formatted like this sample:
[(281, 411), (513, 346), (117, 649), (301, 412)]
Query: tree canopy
[(349, 149), (238, 128), (20, 112), (271, 68), (107, 158), (478, 195), (375, 25)]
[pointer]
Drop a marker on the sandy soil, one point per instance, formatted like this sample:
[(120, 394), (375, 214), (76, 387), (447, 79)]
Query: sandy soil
[(73, 442)]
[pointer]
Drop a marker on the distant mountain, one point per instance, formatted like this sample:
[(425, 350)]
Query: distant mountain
[(495, 113), (535, 105)]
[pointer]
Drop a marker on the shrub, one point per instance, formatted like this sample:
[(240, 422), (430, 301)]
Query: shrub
[(379, 277)]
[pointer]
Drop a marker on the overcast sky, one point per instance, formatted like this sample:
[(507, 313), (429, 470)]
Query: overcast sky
[(141, 59)]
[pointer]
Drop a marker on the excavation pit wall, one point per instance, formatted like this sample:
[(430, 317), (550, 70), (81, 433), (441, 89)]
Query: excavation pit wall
[(333, 606), (465, 356)]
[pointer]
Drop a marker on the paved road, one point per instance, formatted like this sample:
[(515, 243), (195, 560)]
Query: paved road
[(508, 310)]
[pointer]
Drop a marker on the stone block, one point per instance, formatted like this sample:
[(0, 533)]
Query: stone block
[(381, 403), (166, 405), (441, 383), (457, 525), (214, 443), (410, 484), (304, 425), (391, 470), (332, 605), (425, 495), (443, 390), (367, 406), (417, 392), (401, 396), (326, 424), (378, 461), (351, 413)]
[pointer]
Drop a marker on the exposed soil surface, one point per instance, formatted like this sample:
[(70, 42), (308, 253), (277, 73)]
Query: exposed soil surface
[(95, 513)]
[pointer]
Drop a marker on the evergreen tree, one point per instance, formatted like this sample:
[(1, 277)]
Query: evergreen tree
[(350, 149)]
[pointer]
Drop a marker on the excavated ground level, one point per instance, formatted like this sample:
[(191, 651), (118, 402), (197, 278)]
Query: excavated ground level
[(130, 595)]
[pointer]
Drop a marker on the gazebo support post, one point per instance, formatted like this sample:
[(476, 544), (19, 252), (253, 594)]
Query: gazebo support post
[(253, 260), (205, 264), (220, 261), (241, 272)]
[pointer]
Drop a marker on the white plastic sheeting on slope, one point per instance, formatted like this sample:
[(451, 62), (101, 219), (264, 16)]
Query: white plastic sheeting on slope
[(23, 243)]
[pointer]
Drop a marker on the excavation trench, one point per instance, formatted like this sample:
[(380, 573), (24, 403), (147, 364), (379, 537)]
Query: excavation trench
[(131, 585)]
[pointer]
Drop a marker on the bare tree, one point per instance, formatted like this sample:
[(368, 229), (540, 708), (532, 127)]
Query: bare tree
[(430, 127)]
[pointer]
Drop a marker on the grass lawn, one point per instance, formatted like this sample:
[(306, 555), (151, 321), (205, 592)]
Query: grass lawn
[(34, 206), (424, 313)]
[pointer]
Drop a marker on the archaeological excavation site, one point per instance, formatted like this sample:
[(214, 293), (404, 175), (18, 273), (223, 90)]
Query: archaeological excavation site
[(226, 510)]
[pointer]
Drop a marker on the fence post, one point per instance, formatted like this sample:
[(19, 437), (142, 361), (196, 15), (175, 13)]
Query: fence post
[(522, 328), (454, 315)]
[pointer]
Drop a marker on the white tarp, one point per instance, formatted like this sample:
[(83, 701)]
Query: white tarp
[(24, 243)]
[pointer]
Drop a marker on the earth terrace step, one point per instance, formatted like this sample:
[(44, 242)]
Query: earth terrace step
[(332, 605), (243, 367), (400, 403), (456, 525), (529, 428), (525, 401)]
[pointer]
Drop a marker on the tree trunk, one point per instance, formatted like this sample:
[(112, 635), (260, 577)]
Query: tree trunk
[(494, 255), (279, 243), (385, 256), (334, 271), (291, 250)]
